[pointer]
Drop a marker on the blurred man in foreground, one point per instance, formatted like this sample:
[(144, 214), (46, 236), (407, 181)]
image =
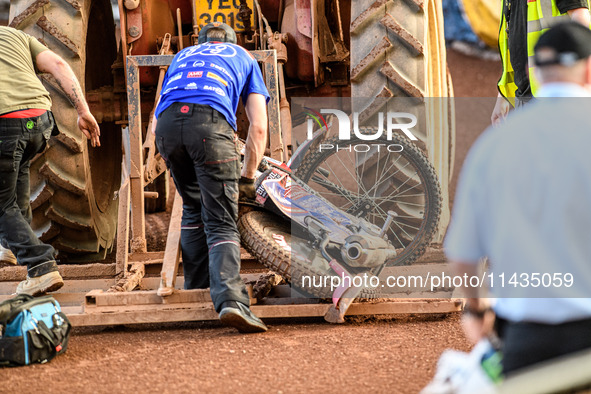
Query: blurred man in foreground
[(523, 201)]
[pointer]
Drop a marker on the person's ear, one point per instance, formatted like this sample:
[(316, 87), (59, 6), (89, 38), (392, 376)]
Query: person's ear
[(588, 71)]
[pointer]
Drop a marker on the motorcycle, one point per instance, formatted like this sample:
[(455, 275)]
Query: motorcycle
[(331, 237)]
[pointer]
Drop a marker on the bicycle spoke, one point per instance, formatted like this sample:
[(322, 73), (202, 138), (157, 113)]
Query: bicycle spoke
[(379, 182), (404, 231), (410, 188), (392, 175), (408, 225), (341, 184), (343, 164)]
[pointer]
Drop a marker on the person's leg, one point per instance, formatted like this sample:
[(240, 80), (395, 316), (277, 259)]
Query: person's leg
[(192, 126), (193, 239), (217, 166), (19, 145), (194, 243), (525, 344)]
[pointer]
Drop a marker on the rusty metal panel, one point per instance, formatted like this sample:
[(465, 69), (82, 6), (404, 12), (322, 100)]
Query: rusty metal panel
[(136, 176)]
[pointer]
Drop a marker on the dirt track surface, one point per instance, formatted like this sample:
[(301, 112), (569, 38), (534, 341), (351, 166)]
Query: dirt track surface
[(394, 356)]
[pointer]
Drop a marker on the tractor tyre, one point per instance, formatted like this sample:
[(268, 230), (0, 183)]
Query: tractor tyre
[(73, 186), (398, 64)]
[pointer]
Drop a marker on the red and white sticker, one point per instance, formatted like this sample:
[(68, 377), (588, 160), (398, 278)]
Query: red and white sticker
[(195, 74)]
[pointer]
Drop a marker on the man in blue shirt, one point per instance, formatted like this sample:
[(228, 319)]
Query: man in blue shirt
[(196, 121)]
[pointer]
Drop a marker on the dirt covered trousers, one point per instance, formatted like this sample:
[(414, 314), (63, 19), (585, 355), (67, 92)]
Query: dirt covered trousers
[(198, 145), (20, 141)]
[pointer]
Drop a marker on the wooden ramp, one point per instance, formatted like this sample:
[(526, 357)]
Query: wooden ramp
[(102, 308), (87, 302)]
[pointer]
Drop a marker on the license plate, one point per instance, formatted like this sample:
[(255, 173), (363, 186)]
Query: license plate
[(225, 11)]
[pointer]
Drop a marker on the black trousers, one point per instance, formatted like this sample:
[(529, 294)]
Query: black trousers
[(20, 141), (525, 344), (198, 146)]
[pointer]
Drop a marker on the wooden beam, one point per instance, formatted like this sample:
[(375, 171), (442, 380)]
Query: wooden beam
[(203, 311), (109, 270), (67, 271), (131, 280), (123, 229), (98, 298), (172, 253)]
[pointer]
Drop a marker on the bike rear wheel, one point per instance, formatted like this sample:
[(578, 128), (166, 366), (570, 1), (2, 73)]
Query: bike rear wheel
[(370, 178), (269, 239)]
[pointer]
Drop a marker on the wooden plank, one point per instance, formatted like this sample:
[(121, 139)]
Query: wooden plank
[(147, 257), (136, 172), (123, 229), (99, 298), (65, 299), (123, 215), (201, 313), (146, 308), (172, 253), (204, 311), (109, 270), (67, 271), (84, 286), (70, 286)]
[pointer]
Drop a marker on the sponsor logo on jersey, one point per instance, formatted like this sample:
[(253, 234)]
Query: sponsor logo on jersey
[(191, 86), (223, 50), (222, 70), (175, 77), (215, 89), (170, 89), (199, 63), (217, 78), (195, 74)]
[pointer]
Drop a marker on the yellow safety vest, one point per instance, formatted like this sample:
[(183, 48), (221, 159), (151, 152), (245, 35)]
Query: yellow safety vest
[(541, 15)]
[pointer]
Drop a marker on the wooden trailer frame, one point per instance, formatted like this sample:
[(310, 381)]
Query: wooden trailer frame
[(165, 302)]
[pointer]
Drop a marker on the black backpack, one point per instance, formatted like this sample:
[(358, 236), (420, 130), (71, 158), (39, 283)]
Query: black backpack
[(32, 330)]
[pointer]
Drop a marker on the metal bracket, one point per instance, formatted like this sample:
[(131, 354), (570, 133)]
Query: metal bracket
[(132, 191)]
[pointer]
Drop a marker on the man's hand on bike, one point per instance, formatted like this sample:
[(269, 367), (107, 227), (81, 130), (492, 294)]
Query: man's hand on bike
[(246, 190)]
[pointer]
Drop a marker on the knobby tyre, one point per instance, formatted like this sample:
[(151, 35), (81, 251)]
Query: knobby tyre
[(269, 239)]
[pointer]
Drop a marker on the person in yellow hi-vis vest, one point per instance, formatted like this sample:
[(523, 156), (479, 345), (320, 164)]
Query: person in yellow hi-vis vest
[(521, 25)]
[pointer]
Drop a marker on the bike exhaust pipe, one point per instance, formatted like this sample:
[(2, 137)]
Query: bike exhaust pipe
[(366, 251), (354, 251)]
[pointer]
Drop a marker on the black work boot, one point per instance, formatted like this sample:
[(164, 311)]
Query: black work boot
[(236, 314)]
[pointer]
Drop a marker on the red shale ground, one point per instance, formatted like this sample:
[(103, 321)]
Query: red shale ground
[(377, 355)]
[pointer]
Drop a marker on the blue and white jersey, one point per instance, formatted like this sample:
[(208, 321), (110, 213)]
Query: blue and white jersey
[(214, 74)]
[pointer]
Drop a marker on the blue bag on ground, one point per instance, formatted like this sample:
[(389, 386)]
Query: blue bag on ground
[(32, 330)]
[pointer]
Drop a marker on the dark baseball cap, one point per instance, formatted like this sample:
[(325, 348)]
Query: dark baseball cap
[(230, 33), (568, 42)]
